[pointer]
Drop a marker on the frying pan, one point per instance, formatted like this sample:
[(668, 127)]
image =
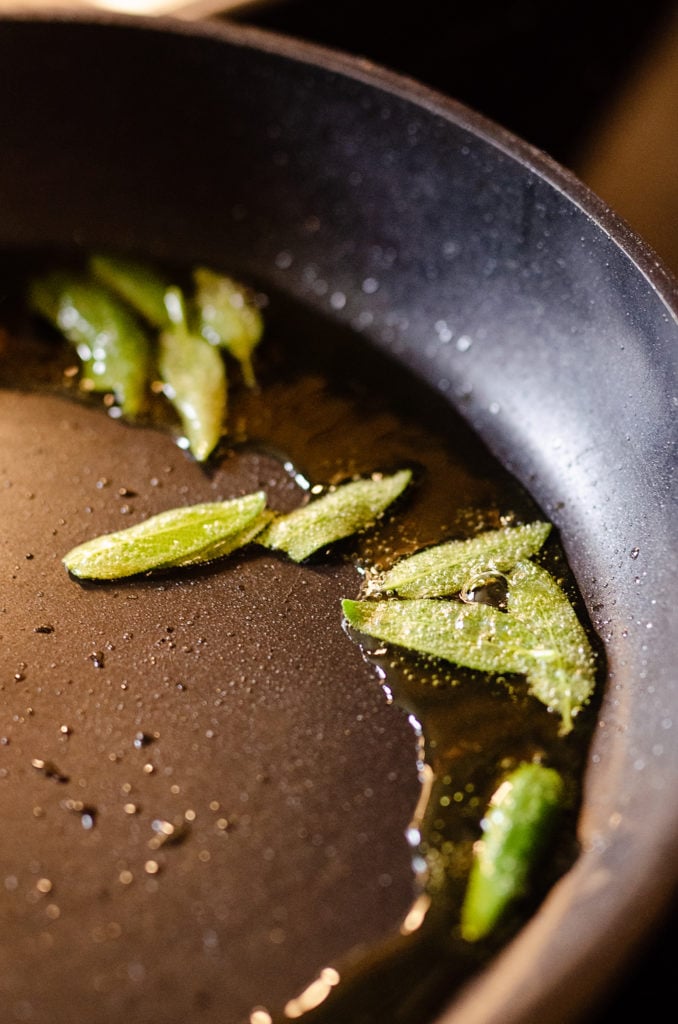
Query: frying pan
[(301, 167)]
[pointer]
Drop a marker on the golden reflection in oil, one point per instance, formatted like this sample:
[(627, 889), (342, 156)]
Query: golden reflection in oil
[(416, 915), (426, 779), (315, 994), (260, 1016)]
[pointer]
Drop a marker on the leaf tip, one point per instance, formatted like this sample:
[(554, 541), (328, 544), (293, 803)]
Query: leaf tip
[(351, 611)]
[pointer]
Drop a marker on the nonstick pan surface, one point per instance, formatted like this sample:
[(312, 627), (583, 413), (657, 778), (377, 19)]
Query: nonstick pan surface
[(387, 209)]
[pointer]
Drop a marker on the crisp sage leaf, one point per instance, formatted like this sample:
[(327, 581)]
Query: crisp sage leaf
[(337, 513), (538, 636), (194, 380), (225, 546), (562, 674), (137, 283), (477, 636), (228, 317), (180, 536), (113, 348), (454, 565), (517, 827)]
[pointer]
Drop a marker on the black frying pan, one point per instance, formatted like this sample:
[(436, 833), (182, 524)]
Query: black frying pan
[(320, 177)]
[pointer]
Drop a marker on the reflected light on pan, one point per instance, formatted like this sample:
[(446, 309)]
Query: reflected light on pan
[(315, 994), (189, 10)]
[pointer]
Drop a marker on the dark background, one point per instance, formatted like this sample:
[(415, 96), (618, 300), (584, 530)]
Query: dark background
[(561, 76)]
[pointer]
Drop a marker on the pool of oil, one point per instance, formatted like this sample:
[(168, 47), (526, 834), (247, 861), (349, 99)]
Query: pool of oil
[(222, 806)]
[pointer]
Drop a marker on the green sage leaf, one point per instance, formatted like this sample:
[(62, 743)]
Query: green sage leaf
[(453, 565), (225, 546), (228, 317), (562, 670), (476, 636), (137, 283), (538, 636), (516, 829), (194, 380), (180, 536), (113, 348), (336, 514)]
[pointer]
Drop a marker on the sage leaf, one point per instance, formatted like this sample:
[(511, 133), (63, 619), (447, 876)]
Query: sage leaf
[(336, 514), (539, 636), (452, 566), (194, 380), (476, 636), (228, 317), (112, 346), (137, 283), (562, 670), (224, 547), (516, 829), (179, 536)]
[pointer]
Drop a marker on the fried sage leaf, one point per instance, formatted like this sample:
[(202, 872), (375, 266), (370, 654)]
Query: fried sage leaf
[(194, 379), (180, 536), (516, 829), (113, 348), (137, 283), (337, 513), (453, 565), (562, 673), (538, 636), (477, 636), (228, 317)]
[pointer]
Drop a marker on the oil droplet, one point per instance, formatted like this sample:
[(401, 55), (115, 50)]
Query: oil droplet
[(443, 331), (87, 812), (260, 1016), (48, 769), (284, 260), (166, 832), (314, 994)]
